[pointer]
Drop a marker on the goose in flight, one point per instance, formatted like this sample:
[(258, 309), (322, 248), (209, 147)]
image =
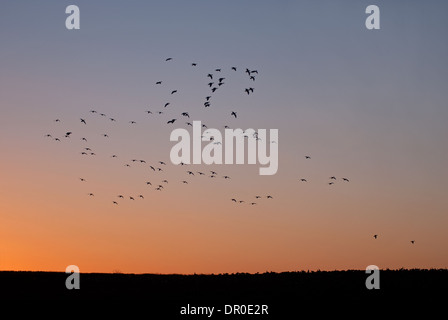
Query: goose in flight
[(148, 183), (307, 157), (67, 134), (333, 177), (303, 180), (208, 98), (375, 236), (218, 70), (234, 200), (194, 64), (254, 71), (247, 71), (188, 123), (214, 89), (112, 119), (131, 198), (57, 139), (345, 179), (330, 183), (120, 196), (226, 177), (153, 169), (84, 139), (82, 179), (165, 181), (252, 78), (190, 172), (201, 173), (213, 172), (148, 112), (83, 121), (91, 195), (48, 136), (210, 84), (234, 68), (132, 122), (269, 197), (185, 114), (159, 82), (57, 120), (412, 241), (257, 197), (171, 121), (102, 114), (113, 156), (105, 135), (247, 91), (115, 202), (140, 196), (161, 162), (173, 92), (93, 111), (233, 114), (253, 203), (210, 76), (185, 182), (166, 105), (168, 59)]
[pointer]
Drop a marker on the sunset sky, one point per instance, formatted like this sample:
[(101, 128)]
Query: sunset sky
[(368, 105)]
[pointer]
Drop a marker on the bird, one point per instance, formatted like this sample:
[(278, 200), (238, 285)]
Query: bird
[(375, 236), (161, 162), (57, 120), (102, 114), (120, 196), (67, 134), (166, 104), (254, 71), (131, 198), (247, 71), (194, 64), (330, 183), (191, 173), (57, 139), (82, 179), (165, 181), (114, 156), (412, 241), (83, 121), (269, 197), (221, 79), (185, 114), (247, 91), (159, 82), (142, 161), (218, 70), (210, 84), (251, 89), (168, 59), (173, 92), (148, 183), (253, 203), (105, 135), (93, 111), (171, 121), (333, 177), (303, 180), (188, 123), (214, 89), (345, 179), (257, 197), (132, 122), (153, 169), (201, 173), (148, 112), (307, 157), (84, 139), (208, 98), (233, 114), (112, 119), (210, 76), (115, 202), (226, 177), (234, 68), (140, 196), (91, 194), (185, 182), (252, 78), (213, 172), (48, 136), (234, 200)]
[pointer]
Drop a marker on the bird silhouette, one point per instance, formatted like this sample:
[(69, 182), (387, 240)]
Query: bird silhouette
[(115, 202), (234, 68), (168, 59), (185, 114), (303, 180), (345, 179), (171, 121), (233, 114), (194, 64), (412, 241), (159, 82), (173, 92), (375, 236), (333, 178), (307, 157), (83, 121), (166, 104), (210, 76)]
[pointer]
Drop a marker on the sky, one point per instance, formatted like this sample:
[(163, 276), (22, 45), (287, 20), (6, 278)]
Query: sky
[(367, 105)]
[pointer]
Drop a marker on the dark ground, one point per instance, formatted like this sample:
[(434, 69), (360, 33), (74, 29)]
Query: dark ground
[(285, 293)]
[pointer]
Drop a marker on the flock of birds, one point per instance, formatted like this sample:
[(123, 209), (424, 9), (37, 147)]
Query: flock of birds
[(215, 82)]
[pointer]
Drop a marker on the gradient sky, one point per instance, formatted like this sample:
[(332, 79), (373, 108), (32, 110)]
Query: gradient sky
[(367, 105)]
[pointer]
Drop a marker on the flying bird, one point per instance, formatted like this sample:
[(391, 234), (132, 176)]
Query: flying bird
[(159, 82), (194, 64), (233, 114), (345, 179), (166, 105), (67, 134), (171, 121), (303, 180), (375, 236), (185, 114), (173, 92), (307, 157), (333, 177), (269, 197), (234, 68), (168, 59), (83, 121), (412, 241), (210, 76)]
